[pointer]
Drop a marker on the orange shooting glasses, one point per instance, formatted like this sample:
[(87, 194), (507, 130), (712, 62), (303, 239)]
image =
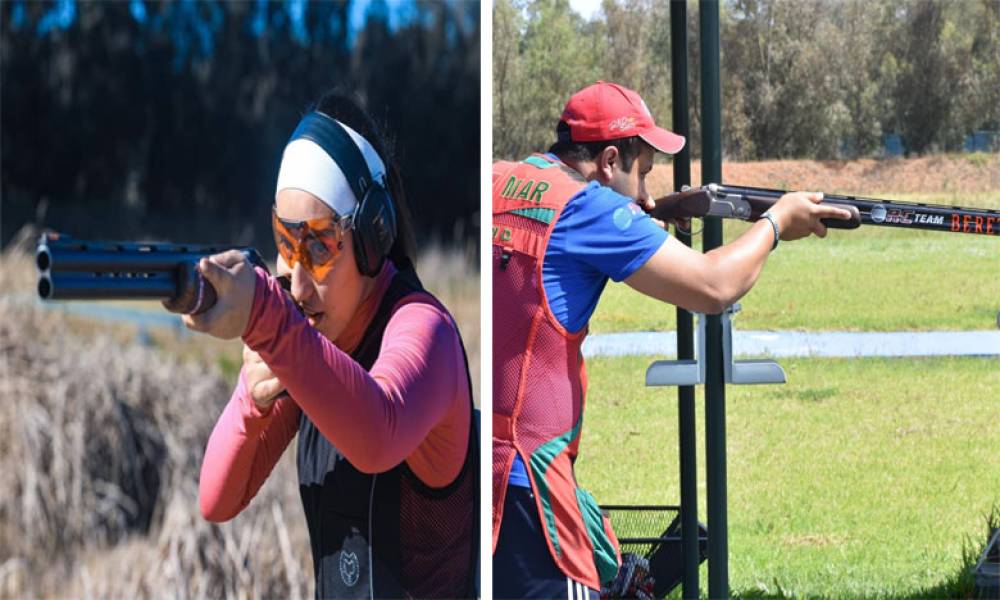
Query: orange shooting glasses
[(315, 243)]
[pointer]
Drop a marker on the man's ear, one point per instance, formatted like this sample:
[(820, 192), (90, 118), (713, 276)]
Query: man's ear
[(605, 163)]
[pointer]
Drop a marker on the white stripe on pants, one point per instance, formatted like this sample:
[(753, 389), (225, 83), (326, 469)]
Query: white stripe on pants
[(576, 590)]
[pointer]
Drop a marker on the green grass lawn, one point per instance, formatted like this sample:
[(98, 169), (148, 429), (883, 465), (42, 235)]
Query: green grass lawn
[(872, 279), (858, 478)]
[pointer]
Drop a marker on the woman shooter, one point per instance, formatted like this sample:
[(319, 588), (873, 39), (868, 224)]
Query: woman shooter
[(361, 362)]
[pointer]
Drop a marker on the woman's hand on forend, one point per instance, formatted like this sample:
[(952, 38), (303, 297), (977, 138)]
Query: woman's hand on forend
[(234, 280)]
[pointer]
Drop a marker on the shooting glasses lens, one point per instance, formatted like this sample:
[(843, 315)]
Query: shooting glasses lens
[(316, 242)]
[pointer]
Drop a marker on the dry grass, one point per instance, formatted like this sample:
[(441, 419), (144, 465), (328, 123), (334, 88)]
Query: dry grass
[(99, 459), (101, 444)]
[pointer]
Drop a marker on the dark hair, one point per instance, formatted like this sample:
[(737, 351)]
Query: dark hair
[(628, 148), (348, 108)]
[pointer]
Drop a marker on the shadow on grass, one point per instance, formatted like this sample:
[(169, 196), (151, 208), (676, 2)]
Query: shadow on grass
[(961, 584)]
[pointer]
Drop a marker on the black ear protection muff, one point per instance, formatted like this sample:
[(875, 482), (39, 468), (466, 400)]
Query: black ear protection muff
[(375, 217)]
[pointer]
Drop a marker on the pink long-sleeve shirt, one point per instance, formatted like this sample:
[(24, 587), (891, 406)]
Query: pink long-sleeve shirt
[(412, 405)]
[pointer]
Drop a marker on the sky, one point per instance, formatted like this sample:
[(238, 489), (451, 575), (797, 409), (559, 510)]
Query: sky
[(587, 8)]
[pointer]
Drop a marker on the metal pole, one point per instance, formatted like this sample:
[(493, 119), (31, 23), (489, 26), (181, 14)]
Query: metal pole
[(685, 328), (715, 387)]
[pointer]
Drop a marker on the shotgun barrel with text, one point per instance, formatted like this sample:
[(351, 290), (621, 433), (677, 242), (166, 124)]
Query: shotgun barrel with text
[(749, 203), (70, 269)]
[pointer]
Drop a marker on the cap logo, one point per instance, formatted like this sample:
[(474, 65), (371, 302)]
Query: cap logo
[(621, 124)]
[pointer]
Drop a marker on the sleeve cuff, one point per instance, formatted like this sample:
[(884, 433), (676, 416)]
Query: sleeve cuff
[(259, 299)]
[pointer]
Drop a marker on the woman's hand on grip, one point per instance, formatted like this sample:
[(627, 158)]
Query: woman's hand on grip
[(263, 386)]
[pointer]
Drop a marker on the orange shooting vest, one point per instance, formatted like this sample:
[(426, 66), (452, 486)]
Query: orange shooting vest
[(539, 379)]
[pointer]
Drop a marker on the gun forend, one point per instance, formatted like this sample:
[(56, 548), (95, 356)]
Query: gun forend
[(72, 269)]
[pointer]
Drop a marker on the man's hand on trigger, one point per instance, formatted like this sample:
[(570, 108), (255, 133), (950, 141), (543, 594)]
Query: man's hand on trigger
[(234, 280), (649, 204)]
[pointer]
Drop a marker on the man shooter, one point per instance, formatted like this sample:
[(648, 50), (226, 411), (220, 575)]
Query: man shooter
[(564, 222)]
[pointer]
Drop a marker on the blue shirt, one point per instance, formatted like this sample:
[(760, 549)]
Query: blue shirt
[(600, 235)]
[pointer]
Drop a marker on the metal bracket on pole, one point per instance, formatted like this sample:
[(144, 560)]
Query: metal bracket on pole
[(745, 372), (681, 372), (692, 372)]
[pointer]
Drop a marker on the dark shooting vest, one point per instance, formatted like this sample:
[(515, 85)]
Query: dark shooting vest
[(387, 535)]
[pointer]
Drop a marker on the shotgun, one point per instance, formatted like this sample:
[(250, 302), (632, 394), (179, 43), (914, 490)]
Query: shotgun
[(749, 203), (70, 269)]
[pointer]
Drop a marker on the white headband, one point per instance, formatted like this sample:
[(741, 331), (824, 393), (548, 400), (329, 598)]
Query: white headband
[(305, 166)]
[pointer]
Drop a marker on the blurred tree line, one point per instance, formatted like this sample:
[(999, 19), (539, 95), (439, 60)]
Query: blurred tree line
[(167, 119), (805, 79)]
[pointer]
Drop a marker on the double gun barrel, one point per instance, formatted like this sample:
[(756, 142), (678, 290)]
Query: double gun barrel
[(71, 269)]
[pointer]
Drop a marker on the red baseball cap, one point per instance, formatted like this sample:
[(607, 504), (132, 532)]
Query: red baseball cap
[(607, 111)]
